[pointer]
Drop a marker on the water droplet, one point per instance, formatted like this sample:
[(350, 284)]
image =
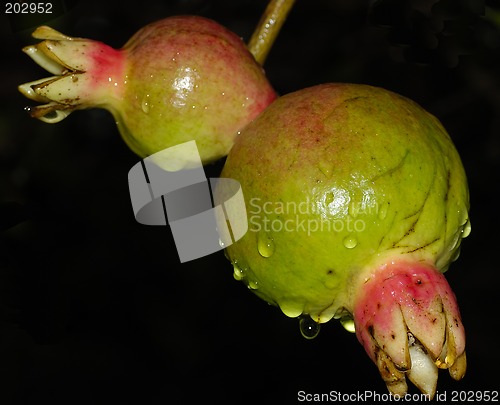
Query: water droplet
[(308, 327), (221, 243), (465, 216), (350, 241), (145, 104), (382, 213), (265, 244), (291, 308), (466, 229), (253, 285), (238, 272), (348, 323)]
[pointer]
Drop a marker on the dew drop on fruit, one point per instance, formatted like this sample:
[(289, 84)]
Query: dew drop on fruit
[(466, 229), (238, 273), (309, 328), (145, 104), (350, 241), (348, 323), (265, 244), (291, 308)]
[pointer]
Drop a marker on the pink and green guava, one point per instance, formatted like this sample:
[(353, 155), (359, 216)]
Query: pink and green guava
[(175, 80)]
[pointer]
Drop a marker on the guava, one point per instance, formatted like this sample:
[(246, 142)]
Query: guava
[(356, 203), (178, 79)]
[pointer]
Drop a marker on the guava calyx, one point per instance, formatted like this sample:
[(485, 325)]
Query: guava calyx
[(86, 74), (407, 319)]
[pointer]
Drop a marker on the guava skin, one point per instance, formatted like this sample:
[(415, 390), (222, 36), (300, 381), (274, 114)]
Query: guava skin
[(340, 182), (348, 152), (190, 78), (179, 79)]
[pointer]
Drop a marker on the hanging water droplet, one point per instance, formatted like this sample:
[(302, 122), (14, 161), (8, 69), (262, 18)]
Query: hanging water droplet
[(238, 272), (466, 229), (350, 241), (308, 327), (265, 244), (221, 243), (348, 323), (253, 285), (291, 308)]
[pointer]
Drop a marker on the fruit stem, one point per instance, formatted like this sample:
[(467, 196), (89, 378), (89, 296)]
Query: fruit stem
[(268, 28)]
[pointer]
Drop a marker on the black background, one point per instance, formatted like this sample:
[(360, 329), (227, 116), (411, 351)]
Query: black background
[(96, 309)]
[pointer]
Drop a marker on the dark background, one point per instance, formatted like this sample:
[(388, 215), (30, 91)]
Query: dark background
[(96, 309)]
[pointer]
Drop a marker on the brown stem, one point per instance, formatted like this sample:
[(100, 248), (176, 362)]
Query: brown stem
[(268, 28)]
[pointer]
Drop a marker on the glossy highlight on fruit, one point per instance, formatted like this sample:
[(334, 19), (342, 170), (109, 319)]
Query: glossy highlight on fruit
[(179, 79), (357, 202)]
